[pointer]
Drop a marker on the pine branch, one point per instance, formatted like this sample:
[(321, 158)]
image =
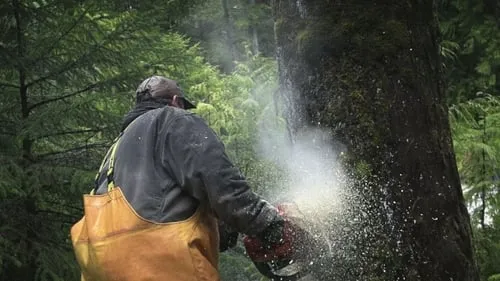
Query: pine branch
[(59, 71), (74, 149), (60, 204), (74, 132), (72, 64), (81, 164), (57, 213), (61, 37), (9, 85), (9, 56), (88, 88), (7, 132)]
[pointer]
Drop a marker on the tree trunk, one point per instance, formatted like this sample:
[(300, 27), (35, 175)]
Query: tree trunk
[(253, 32), (369, 72), (27, 236), (484, 175), (229, 63)]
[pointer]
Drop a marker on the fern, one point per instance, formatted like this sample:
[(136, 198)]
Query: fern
[(476, 134)]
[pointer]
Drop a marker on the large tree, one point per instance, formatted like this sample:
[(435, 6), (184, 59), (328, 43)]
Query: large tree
[(370, 73)]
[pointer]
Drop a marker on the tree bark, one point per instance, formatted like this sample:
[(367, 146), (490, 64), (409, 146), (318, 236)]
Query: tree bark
[(253, 32), (27, 236), (482, 211), (229, 65), (369, 72)]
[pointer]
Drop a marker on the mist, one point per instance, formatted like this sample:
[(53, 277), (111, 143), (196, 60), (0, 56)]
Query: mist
[(314, 179)]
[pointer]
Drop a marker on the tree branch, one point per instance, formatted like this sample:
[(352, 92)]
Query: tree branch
[(52, 202), (74, 132), (10, 56), (88, 88), (72, 64), (5, 133), (58, 72), (56, 213), (23, 89), (87, 146), (88, 166), (7, 84), (61, 37)]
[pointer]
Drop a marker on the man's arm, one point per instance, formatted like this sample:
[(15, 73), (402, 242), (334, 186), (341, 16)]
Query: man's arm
[(200, 165)]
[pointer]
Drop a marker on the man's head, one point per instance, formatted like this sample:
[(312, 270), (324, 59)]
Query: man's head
[(161, 88)]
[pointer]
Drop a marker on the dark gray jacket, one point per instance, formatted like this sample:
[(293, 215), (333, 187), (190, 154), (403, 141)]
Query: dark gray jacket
[(169, 161)]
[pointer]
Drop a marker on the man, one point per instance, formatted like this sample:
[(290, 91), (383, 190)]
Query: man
[(160, 193)]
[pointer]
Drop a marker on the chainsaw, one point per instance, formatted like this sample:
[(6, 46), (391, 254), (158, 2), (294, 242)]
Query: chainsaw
[(295, 258)]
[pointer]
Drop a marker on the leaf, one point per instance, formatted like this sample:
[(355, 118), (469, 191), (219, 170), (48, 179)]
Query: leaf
[(492, 80), (484, 68), (468, 47)]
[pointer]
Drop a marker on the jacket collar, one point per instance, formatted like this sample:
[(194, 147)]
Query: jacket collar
[(142, 108)]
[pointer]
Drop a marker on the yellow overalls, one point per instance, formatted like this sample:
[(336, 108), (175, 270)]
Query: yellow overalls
[(112, 242)]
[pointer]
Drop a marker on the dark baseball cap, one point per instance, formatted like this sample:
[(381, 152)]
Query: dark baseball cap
[(159, 86)]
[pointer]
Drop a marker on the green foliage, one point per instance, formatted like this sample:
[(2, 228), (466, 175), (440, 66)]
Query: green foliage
[(229, 38), (477, 131), (472, 63), (476, 137), (67, 74), (487, 243), (471, 51), (237, 107), (495, 277), (234, 265)]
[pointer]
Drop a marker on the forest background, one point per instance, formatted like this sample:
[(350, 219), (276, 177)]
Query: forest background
[(68, 71)]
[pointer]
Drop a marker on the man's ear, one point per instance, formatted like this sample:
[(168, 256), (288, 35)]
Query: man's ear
[(175, 101)]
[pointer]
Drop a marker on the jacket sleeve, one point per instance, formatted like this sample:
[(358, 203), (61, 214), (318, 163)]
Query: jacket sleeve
[(199, 164)]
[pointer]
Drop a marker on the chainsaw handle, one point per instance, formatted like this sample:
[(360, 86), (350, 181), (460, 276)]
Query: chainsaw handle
[(280, 239), (266, 269), (278, 261)]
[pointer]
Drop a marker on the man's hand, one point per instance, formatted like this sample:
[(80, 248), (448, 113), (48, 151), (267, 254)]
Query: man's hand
[(279, 241)]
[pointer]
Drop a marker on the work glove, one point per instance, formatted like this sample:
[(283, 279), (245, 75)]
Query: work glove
[(279, 241)]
